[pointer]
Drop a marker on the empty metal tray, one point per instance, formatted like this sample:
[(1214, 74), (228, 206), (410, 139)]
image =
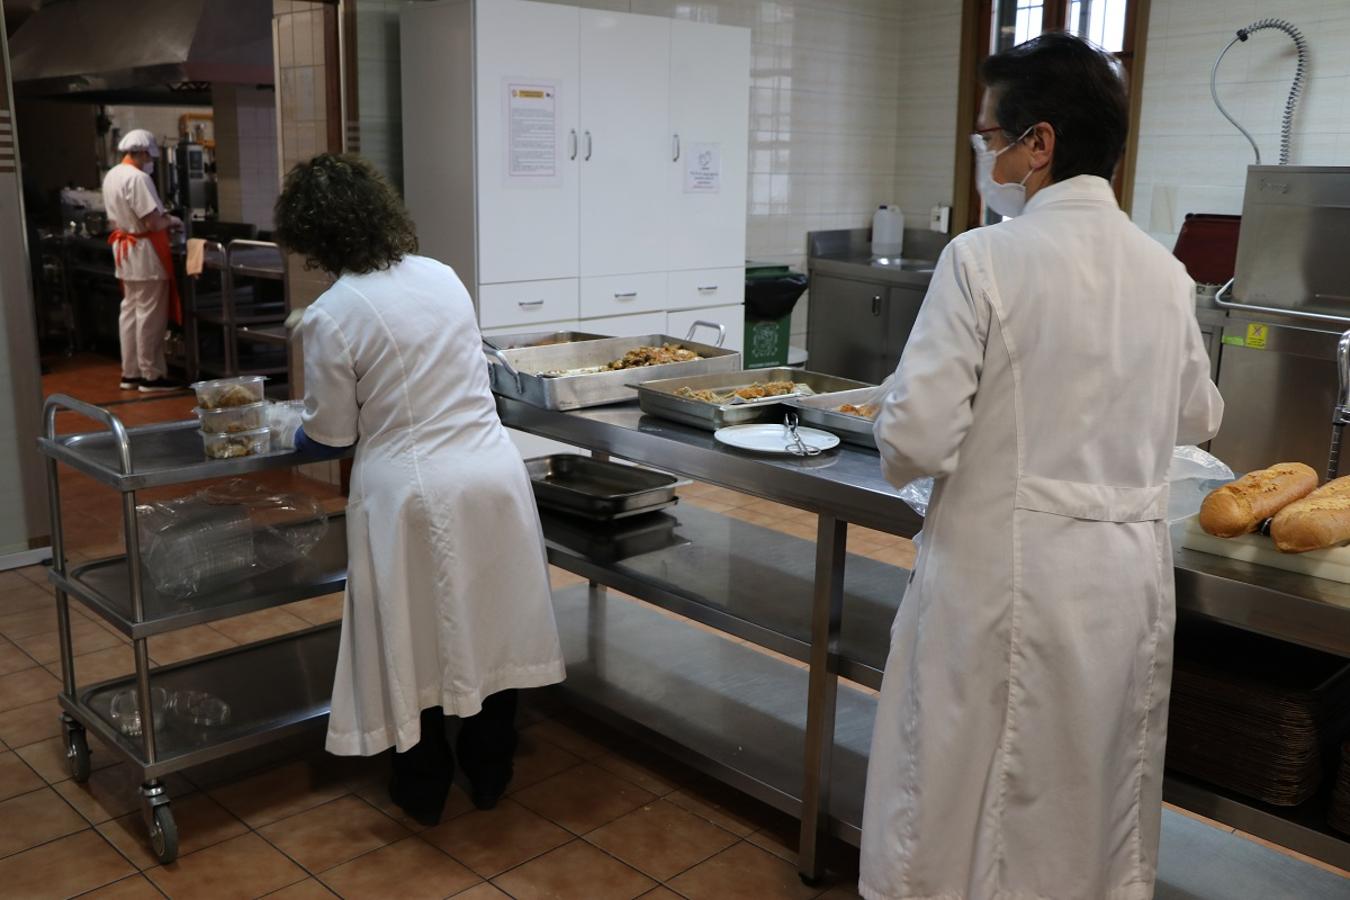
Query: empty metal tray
[(587, 487)]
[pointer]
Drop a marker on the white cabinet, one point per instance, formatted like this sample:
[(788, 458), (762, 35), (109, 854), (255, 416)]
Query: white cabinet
[(625, 142), (732, 318), (709, 112), (547, 154)]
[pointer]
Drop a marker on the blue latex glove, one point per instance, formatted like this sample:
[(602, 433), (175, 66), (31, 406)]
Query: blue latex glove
[(306, 445)]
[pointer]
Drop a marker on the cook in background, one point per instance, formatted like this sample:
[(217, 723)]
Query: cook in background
[(1056, 361), (144, 261), (448, 609)]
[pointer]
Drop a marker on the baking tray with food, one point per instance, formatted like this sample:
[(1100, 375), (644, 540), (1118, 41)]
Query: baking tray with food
[(521, 339), (594, 373), (849, 414), (582, 486), (735, 398)]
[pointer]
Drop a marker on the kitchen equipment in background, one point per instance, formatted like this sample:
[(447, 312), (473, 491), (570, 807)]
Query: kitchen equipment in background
[(191, 187), (771, 292), (1296, 89), (662, 398), (1207, 246), (581, 486), (888, 231)]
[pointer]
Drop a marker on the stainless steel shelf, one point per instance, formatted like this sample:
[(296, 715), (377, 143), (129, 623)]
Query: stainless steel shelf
[(736, 714), (273, 688), (752, 582), (104, 586), (161, 455)]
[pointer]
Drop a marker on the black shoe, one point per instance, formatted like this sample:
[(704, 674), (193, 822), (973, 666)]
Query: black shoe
[(158, 385), (130, 384), (486, 793), (419, 808)]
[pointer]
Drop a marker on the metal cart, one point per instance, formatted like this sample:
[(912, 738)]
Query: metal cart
[(274, 688), (243, 313)]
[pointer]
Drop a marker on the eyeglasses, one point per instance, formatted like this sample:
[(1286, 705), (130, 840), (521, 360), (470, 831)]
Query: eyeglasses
[(979, 139)]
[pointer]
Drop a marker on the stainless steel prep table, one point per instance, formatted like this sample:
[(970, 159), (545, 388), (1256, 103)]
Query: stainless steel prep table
[(732, 711)]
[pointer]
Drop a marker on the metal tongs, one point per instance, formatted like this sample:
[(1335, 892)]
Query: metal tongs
[(797, 446), (1341, 416)]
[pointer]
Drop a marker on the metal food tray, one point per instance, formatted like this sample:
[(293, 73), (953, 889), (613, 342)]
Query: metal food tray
[(658, 398), (820, 411), (543, 338), (613, 543), (517, 373), (581, 486)]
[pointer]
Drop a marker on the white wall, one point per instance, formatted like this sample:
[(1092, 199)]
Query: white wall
[(1190, 158), (379, 102), (246, 153), (930, 60)]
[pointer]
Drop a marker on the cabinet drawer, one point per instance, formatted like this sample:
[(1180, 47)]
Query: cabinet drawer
[(627, 326), (620, 295), (706, 287), (527, 302)]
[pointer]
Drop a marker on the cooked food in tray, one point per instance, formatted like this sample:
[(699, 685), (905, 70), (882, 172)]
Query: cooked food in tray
[(747, 394), (637, 358), (1318, 521), (861, 410), (1240, 507)]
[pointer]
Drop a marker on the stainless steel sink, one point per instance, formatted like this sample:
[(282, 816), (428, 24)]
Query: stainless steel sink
[(904, 265)]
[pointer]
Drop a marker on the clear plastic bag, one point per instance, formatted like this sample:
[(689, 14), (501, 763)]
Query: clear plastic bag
[(225, 534), (285, 418), (1193, 474)]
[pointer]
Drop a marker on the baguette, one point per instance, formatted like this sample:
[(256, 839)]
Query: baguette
[(1318, 521), (1240, 507)]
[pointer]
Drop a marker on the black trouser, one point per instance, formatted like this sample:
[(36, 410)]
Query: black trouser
[(485, 748)]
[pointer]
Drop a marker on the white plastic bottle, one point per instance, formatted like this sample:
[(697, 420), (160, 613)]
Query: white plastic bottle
[(888, 231)]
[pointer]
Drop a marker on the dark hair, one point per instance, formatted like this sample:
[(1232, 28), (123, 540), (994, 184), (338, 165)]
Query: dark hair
[(342, 216), (1065, 81)]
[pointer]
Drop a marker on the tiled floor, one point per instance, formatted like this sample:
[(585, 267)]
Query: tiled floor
[(589, 816)]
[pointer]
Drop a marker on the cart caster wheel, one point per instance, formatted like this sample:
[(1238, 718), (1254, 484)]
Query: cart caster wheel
[(163, 834), (77, 754)]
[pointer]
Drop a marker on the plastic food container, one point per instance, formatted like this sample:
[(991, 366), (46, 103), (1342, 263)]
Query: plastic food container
[(229, 392), (124, 710), (233, 419), (243, 443), (200, 709)]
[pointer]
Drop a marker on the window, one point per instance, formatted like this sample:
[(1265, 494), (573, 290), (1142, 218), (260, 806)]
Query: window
[(1115, 25)]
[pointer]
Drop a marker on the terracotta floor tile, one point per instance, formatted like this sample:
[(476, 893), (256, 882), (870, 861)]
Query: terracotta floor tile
[(243, 867), (63, 868), (715, 813), (375, 791), (537, 759), (584, 798), (12, 580), (309, 889), (201, 823), (109, 793), (483, 891), (841, 892), (333, 833), (85, 637), (643, 776), (318, 610), (493, 841), (567, 738), (36, 575), (199, 640), (260, 625), (661, 893), (412, 867), (576, 871), (48, 757), (780, 845), (137, 887), (35, 818), (101, 665), (279, 793), (12, 659), (28, 622), (28, 686), (743, 872), (30, 724), (661, 839), (16, 776)]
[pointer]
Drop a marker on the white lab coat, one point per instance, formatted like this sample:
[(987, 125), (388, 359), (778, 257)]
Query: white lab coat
[(1018, 750), (448, 595)]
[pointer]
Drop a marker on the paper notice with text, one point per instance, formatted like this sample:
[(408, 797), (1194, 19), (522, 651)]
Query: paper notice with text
[(531, 130), (703, 169)]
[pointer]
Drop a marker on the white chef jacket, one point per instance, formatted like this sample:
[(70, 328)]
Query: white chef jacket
[(448, 596), (1018, 750), (129, 196)]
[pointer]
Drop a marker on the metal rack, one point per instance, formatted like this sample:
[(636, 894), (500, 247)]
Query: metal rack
[(241, 317), (274, 688)]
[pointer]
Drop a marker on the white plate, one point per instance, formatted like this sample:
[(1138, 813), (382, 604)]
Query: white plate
[(773, 438)]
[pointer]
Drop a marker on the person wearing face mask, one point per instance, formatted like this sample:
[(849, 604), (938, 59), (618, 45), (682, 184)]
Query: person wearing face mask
[(140, 244), (1056, 361)]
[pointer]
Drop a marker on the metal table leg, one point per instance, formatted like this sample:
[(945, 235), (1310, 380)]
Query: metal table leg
[(822, 690)]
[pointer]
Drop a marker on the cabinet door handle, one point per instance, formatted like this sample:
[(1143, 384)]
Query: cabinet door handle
[(572, 142), (626, 295), (707, 288), (589, 146), (529, 304), (676, 149), (876, 305)]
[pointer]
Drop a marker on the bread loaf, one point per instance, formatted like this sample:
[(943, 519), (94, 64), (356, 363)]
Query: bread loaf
[(1240, 507), (1319, 520)]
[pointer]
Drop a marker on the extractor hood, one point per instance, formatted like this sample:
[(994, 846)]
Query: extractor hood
[(141, 49)]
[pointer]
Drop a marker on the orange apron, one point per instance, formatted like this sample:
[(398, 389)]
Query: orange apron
[(122, 241)]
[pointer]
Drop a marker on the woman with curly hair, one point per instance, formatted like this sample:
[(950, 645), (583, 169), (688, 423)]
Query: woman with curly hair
[(448, 609)]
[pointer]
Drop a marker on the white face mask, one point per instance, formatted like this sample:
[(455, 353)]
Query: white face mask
[(149, 167), (1006, 199)]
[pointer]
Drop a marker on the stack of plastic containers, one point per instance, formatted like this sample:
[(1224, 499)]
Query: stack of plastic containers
[(233, 416)]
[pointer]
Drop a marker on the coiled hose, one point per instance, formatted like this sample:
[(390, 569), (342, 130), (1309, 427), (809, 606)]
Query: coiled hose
[(1295, 90)]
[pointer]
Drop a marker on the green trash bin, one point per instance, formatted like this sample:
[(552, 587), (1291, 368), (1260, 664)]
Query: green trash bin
[(771, 291)]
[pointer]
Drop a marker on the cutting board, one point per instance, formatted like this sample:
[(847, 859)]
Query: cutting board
[(1332, 564)]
